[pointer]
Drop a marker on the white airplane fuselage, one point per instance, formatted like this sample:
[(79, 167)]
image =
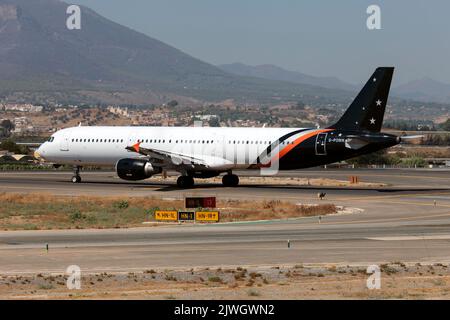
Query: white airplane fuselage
[(222, 148)]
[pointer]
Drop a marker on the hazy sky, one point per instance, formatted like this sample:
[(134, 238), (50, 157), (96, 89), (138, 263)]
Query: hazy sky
[(321, 37)]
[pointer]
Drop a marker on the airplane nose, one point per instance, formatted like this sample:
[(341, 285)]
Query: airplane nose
[(39, 153)]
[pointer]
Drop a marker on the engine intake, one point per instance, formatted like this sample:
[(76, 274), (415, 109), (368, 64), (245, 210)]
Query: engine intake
[(135, 169)]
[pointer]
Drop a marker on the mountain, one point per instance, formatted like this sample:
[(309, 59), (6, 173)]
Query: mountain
[(424, 90), (272, 72), (104, 62)]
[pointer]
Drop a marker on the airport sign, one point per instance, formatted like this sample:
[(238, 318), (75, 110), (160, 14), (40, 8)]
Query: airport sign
[(186, 215), (207, 216), (162, 215), (200, 202)]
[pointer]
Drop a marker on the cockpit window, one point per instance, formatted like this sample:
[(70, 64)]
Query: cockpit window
[(51, 139)]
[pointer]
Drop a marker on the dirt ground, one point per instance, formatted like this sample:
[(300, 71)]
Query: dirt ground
[(398, 281), (286, 181), (44, 211)]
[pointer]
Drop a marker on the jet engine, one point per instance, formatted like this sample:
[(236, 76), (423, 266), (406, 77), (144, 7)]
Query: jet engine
[(135, 169)]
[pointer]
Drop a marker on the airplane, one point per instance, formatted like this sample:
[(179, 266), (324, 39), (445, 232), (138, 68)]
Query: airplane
[(138, 153)]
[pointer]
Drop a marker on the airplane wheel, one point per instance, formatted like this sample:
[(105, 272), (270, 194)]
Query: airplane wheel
[(185, 181), (230, 180), (76, 179)]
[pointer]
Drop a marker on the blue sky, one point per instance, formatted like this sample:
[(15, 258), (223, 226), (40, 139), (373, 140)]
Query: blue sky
[(322, 37)]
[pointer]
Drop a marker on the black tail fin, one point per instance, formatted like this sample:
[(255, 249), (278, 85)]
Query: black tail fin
[(367, 110)]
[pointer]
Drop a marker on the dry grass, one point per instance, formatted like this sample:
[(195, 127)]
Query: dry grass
[(273, 209), (311, 282), (45, 211)]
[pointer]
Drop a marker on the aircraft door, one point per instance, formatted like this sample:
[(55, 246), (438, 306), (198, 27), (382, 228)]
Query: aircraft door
[(321, 147), (64, 144), (219, 146)]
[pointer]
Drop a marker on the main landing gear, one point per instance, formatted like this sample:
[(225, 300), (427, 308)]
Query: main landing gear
[(185, 182), (76, 174), (230, 180)]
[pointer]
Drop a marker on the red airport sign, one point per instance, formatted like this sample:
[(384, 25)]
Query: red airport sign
[(200, 202)]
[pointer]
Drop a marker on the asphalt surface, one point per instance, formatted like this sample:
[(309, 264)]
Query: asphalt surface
[(407, 220)]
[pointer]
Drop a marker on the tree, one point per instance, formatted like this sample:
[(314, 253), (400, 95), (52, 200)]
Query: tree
[(214, 122), (172, 103), (446, 125), (7, 126), (299, 106), (11, 146)]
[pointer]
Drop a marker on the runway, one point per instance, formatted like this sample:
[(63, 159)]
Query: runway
[(107, 183), (407, 221)]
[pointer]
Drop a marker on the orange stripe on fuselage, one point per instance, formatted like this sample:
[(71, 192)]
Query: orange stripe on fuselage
[(297, 141)]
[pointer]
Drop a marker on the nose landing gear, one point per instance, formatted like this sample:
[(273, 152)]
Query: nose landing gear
[(76, 174)]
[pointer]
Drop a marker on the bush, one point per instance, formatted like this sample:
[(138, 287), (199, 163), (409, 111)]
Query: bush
[(253, 293), (77, 216), (123, 204), (378, 157), (214, 279), (415, 161)]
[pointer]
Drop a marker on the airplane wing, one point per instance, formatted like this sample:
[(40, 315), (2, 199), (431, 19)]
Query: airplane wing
[(168, 159)]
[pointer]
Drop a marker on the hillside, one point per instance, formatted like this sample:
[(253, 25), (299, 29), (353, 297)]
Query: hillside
[(424, 90), (272, 72), (107, 62)]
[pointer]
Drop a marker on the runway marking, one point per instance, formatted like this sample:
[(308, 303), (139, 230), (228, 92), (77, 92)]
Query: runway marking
[(384, 175), (418, 203), (50, 188), (410, 238), (387, 220), (383, 197)]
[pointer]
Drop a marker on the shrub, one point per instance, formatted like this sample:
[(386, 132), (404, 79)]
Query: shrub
[(215, 279), (77, 216), (253, 293), (122, 204)]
